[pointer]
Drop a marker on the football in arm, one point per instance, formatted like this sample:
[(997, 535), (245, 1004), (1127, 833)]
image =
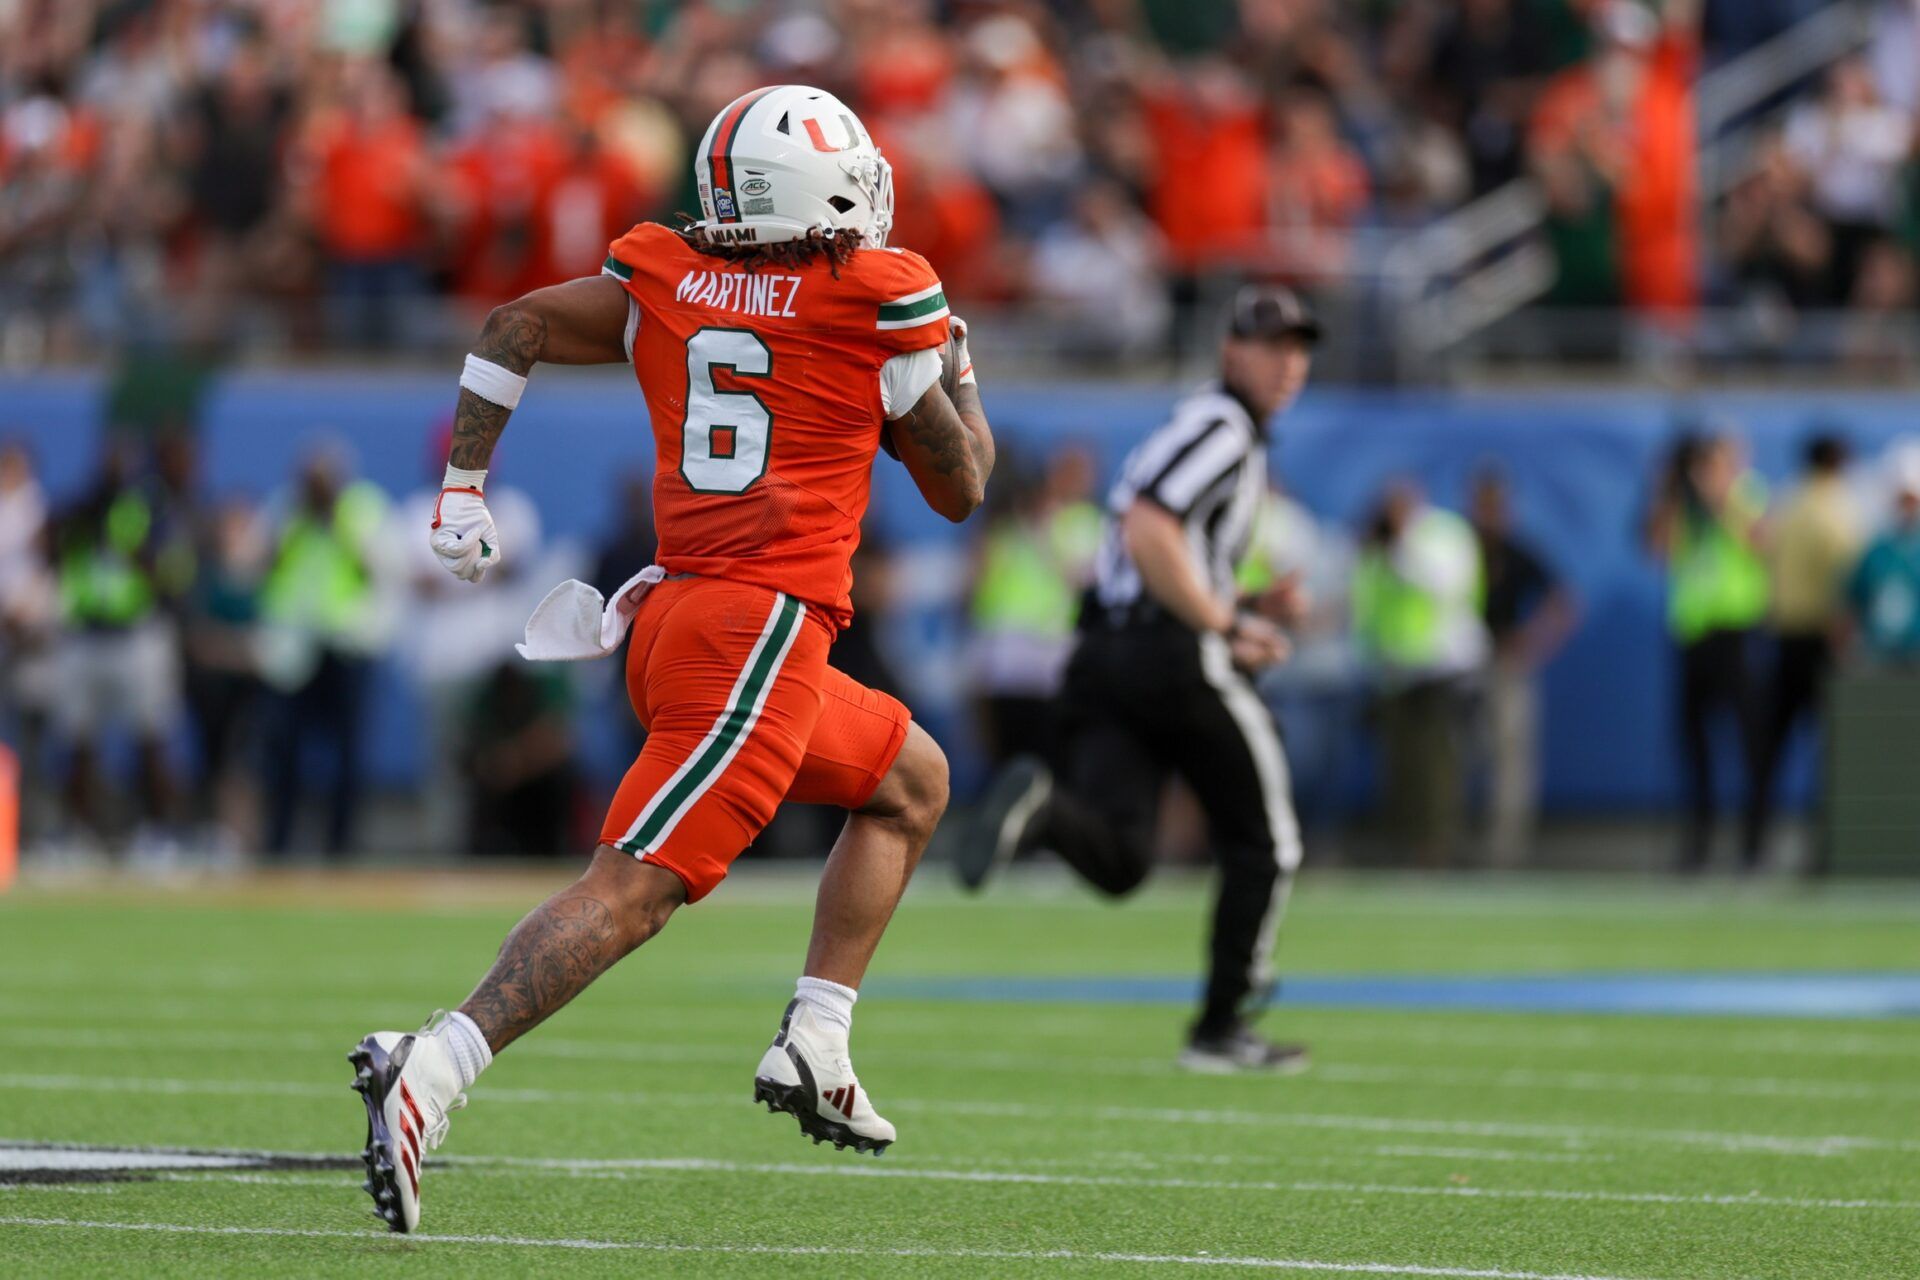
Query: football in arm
[(950, 363)]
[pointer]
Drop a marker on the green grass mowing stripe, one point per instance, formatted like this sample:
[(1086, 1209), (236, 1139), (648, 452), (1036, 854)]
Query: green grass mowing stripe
[(1450, 1029), (834, 1251), (720, 1053), (642, 1169), (1757, 1143)]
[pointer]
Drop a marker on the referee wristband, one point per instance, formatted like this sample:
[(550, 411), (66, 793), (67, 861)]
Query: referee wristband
[(493, 383)]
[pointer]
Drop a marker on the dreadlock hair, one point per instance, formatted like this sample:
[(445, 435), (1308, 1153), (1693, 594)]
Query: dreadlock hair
[(837, 247)]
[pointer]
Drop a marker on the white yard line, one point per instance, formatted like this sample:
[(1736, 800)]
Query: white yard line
[(1490, 1153), (647, 1168), (1449, 1029), (280, 1042), (1713, 1140), (1442, 1028), (802, 1251)]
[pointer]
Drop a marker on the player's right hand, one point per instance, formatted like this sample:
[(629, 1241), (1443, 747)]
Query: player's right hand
[(463, 536), (956, 362), (1256, 643)]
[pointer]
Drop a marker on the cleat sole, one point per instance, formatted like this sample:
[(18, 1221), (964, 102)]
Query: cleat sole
[(797, 1101), (374, 1074)]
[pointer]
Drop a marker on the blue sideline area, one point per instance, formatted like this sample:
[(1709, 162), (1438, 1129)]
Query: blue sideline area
[(1580, 462), (1756, 995)]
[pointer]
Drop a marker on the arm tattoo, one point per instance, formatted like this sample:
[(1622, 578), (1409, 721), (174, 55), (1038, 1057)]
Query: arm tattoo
[(946, 441), (513, 338), (548, 959), (966, 400)]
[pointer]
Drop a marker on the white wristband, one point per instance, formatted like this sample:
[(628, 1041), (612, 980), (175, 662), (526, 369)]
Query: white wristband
[(493, 383), (456, 478)]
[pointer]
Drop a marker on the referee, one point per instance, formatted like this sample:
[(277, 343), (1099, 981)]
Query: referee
[(1159, 683)]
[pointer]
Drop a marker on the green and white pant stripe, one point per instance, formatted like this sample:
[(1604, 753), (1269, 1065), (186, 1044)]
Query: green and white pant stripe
[(704, 765)]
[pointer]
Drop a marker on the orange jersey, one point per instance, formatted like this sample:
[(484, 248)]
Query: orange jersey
[(764, 391)]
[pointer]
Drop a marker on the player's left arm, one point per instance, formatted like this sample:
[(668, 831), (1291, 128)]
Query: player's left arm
[(579, 322), (945, 440), (948, 452)]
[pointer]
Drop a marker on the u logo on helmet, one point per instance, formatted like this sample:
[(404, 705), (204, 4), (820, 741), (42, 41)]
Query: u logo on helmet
[(819, 138)]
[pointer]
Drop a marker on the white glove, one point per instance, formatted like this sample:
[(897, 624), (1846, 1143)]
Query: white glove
[(463, 535), (958, 361)]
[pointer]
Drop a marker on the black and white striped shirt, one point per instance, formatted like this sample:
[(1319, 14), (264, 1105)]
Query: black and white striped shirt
[(1207, 466)]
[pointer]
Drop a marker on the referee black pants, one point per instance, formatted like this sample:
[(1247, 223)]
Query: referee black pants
[(1144, 702)]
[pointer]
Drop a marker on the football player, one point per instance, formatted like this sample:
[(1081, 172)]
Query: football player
[(778, 341)]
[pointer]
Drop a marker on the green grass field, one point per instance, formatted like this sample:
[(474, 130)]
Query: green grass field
[(1043, 1139)]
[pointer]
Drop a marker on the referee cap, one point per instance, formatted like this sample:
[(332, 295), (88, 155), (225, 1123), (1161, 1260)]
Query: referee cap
[(1272, 311)]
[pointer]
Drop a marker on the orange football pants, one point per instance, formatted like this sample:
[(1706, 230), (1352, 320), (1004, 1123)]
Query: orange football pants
[(741, 710)]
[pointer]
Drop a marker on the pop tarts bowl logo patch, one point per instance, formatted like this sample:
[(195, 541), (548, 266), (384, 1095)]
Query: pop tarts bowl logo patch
[(755, 187), (723, 202)]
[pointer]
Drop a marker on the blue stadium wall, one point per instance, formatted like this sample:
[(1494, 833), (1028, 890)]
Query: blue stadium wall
[(1580, 461)]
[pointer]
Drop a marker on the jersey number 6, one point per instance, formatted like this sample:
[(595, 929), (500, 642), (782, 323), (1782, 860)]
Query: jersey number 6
[(723, 443)]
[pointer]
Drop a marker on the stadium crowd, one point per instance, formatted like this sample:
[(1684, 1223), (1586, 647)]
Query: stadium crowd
[(238, 647), (317, 174)]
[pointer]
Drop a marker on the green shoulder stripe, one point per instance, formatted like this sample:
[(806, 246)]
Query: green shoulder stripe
[(614, 267), (915, 310)]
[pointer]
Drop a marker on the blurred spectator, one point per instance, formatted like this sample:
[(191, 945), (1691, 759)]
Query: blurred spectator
[(1319, 188), (1486, 62), (322, 602), (1612, 141), (1101, 270), (1011, 114), (519, 758), (219, 631), (1416, 616), (1529, 613), (1779, 251), (119, 661), (1314, 693), (1208, 178), (1879, 336), (1852, 146), (632, 545), (367, 166), (1032, 565), (1812, 547), (229, 138), (1704, 523), (1884, 589), (23, 527), (43, 180), (457, 636), (29, 614)]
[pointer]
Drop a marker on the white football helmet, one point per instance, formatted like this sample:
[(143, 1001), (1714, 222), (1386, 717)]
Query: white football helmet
[(786, 160)]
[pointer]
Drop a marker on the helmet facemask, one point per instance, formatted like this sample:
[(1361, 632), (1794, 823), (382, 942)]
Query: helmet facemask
[(874, 176)]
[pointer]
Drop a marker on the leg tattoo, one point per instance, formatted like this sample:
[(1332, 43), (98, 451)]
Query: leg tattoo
[(548, 959)]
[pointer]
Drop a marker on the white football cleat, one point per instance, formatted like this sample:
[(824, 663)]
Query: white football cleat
[(409, 1083), (807, 1074)]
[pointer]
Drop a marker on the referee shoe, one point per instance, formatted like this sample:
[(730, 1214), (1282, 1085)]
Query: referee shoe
[(1006, 822), (1240, 1049)]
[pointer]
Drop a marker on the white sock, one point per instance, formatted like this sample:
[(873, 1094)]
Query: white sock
[(468, 1047), (831, 1003)]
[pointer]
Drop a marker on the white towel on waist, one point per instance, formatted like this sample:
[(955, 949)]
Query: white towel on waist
[(576, 622)]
